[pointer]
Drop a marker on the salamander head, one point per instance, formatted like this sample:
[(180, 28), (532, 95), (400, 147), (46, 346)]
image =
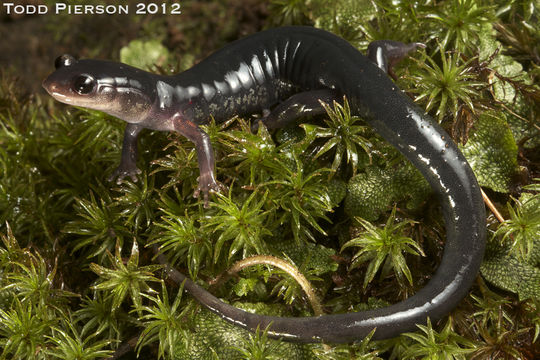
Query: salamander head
[(117, 89)]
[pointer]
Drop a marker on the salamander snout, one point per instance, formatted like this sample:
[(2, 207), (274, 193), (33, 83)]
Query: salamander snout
[(69, 82), (117, 89), (49, 85), (55, 83), (55, 89)]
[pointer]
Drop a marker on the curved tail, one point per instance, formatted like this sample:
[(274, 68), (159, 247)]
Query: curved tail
[(423, 142), (458, 191)]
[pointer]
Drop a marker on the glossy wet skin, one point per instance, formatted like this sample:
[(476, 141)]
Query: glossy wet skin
[(288, 70), (121, 91)]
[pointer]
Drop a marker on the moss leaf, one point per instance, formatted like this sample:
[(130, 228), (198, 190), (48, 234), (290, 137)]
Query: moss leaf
[(492, 151), (213, 335), (313, 257), (368, 195), (144, 54), (507, 272)]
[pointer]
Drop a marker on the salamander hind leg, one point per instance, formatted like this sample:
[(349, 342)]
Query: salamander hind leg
[(387, 53), (205, 157), (301, 104)]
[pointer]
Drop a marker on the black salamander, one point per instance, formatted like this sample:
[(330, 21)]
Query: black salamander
[(289, 69)]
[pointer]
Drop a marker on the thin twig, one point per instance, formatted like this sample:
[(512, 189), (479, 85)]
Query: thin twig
[(125, 348), (492, 207), (283, 265)]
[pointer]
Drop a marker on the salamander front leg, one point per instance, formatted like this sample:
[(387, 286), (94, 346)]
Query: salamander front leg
[(301, 104), (128, 161), (387, 53), (205, 157)]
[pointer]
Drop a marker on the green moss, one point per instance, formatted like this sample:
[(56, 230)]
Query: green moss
[(492, 151), (510, 273), (512, 256), (368, 195), (315, 257), (214, 338), (145, 54), (346, 18), (511, 85), (337, 189), (372, 193)]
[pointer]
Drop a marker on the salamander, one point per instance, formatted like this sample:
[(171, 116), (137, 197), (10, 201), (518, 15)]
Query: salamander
[(288, 70)]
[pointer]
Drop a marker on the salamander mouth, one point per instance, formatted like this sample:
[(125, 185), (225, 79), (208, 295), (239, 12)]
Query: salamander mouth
[(55, 90)]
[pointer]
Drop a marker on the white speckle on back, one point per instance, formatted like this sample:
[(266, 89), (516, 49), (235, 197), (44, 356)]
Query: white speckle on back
[(164, 91)]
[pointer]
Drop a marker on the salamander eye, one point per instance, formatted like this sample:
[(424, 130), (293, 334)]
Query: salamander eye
[(64, 60), (83, 84)]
